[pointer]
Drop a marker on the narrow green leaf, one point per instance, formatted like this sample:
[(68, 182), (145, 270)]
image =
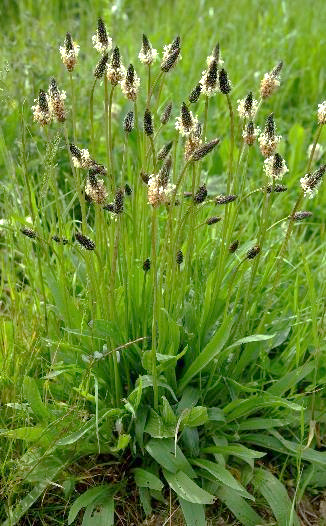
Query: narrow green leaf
[(187, 489), (197, 416), (194, 514), (209, 352), (236, 450), (146, 479), (291, 379), (157, 428), (100, 513), (215, 414), (88, 497), (222, 475), (30, 434), (278, 443), (168, 415), (239, 408), (261, 423), (27, 502), (76, 435), (145, 499), (239, 507), (249, 339), (163, 452), (34, 399), (276, 495)]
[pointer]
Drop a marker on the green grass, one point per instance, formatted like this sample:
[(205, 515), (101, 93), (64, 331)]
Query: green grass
[(103, 365)]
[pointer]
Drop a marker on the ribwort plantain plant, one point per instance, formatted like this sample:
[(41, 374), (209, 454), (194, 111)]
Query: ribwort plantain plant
[(163, 298)]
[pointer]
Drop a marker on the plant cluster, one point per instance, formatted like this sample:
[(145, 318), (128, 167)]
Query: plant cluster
[(164, 300)]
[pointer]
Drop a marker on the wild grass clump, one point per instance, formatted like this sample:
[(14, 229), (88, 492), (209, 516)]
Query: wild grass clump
[(159, 258)]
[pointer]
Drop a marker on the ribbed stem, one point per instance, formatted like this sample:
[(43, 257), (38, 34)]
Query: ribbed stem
[(91, 115), (155, 307), (73, 106), (110, 138)]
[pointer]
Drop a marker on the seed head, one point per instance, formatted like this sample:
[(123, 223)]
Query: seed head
[(203, 150), (213, 220), (247, 108), (310, 182), (225, 199), (209, 80), (193, 142), (147, 265), (163, 174), (165, 117), (179, 257), (186, 124), (56, 100), (164, 151), (268, 141), (69, 53), (109, 207), (145, 176), (159, 189), (271, 81), (171, 55), (278, 188), (277, 69), (129, 122), (62, 240), (84, 241), (225, 86), (275, 166), (101, 41), (176, 43), (299, 216), (101, 66), (80, 158), (270, 126), (97, 169), (147, 54), (194, 95), (41, 111), (118, 201), (116, 72), (234, 246), (148, 123), (215, 55), (128, 189), (253, 252), (96, 190), (321, 113), (29, 232), (201, 194), (250, 133), (130, 84), (186, 116)]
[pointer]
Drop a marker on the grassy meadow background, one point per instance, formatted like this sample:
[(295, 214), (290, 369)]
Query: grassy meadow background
[(254, 35)]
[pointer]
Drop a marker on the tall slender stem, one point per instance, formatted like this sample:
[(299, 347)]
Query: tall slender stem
[(230, 169), (149, 86), (205, 117), (73, 106), (155, 306), (91, 115), (288, 232), (77, 183), (110, 137), (106, 122)]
